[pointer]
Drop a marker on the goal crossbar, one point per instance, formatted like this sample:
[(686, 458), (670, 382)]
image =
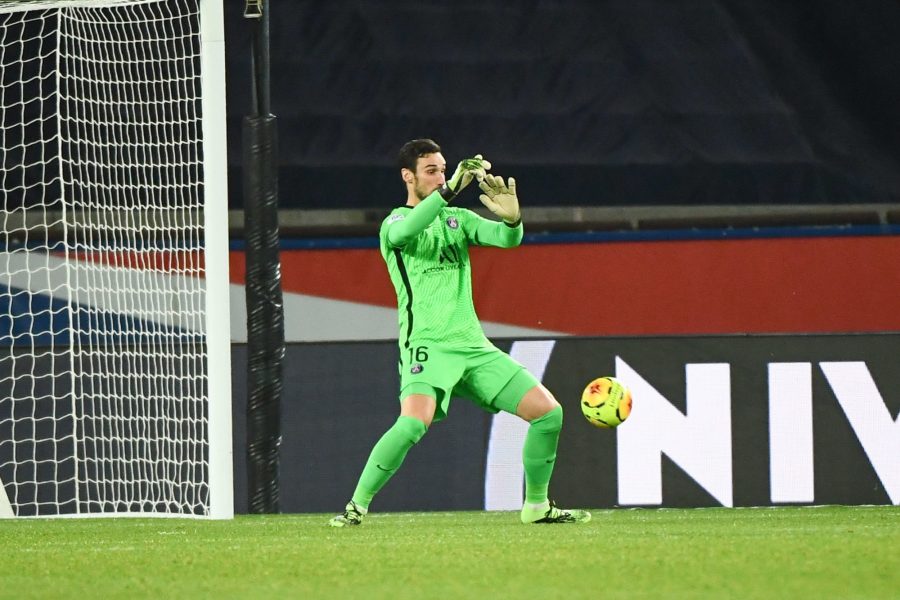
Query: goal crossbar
[(8, 6)]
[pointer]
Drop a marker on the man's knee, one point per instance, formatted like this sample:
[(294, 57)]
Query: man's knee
[(413, 429), (537, 402), (551, 421), (420, 406)]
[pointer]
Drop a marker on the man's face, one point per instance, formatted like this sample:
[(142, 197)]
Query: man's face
[(429, 174)]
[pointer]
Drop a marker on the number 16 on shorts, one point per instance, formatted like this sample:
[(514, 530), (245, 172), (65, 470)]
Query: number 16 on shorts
[(417, 356)]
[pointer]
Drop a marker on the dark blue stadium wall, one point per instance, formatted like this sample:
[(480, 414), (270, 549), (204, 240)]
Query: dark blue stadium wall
[(717, 420), (643, 102)]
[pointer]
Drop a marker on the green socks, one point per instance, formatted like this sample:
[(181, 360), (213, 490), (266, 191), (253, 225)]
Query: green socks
[(539, 454), (387, 456)]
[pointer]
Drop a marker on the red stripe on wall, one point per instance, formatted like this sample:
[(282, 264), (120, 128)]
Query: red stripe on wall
[(354, 275), (188, 262), (790, 285)]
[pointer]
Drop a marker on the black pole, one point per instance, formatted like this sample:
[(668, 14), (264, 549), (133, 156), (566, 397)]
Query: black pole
[(265, 310), (260, 65)]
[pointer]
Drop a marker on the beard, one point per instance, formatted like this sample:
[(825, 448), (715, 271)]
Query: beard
[(422, 192)]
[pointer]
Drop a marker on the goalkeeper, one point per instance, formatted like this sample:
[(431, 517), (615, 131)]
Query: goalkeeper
[(443, 350)]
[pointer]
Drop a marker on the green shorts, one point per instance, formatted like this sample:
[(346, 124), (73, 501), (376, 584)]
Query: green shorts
[(488, 377)]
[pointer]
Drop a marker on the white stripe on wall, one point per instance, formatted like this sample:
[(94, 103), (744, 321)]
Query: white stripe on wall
[(6, 510)]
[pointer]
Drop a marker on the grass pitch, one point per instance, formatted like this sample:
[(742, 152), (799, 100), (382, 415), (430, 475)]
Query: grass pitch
[(823, 552)]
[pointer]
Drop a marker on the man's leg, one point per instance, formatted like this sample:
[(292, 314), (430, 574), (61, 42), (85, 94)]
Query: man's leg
[(545, 416), (538, 406), (416, 414)]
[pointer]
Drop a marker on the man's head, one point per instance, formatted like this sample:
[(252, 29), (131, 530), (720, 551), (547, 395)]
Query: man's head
[(422, 167)]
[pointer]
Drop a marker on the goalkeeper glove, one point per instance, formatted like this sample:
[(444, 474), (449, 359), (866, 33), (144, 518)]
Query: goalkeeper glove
[(501, 198), (466, 171)]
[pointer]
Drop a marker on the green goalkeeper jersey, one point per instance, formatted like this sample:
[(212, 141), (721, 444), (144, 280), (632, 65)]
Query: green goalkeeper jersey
[(426, 249)]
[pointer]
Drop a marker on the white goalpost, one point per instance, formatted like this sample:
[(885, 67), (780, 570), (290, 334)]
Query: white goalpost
[(115, 375)]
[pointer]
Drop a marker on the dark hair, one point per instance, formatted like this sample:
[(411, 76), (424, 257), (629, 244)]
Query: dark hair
[(415, 149)]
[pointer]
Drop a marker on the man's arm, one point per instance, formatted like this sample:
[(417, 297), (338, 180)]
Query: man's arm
[(496, 233), (401, 231)]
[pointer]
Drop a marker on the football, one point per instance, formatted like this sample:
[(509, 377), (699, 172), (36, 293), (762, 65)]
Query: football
[(606, 402)]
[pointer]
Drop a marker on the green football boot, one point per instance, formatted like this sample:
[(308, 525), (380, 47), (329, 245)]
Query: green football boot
[(353, 515), (549, 513)]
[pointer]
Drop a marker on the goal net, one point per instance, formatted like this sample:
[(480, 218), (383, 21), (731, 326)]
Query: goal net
[(114, 329)]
